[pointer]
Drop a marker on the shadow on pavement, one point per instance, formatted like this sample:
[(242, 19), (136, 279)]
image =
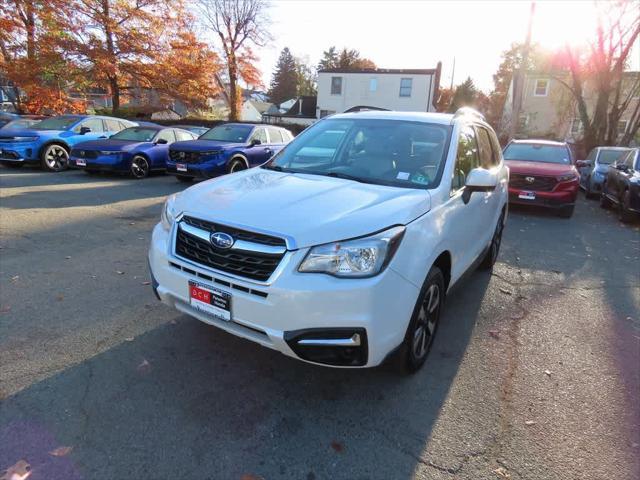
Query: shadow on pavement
[(189, 401)]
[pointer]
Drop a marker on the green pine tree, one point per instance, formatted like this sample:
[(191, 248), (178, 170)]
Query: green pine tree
[(284, 82)]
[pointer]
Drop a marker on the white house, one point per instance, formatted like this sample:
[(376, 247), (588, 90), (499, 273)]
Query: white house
[(408, 90), (252, 110)]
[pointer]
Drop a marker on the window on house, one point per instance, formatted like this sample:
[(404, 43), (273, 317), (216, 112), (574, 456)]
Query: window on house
[(373, 84), (405, 87), (541, 88), (336, 85)]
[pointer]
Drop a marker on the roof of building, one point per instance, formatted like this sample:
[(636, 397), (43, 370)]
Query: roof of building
[(261, 107), (407, 71), (304, 107)]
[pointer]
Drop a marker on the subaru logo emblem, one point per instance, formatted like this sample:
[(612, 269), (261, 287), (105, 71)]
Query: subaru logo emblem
[(530, 179), (221, 240)]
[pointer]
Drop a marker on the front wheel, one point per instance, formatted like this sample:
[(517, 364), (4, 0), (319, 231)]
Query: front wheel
[(604, 201), (55, 158), (237, 165), (626, 215), (424, 322), (139, 167)]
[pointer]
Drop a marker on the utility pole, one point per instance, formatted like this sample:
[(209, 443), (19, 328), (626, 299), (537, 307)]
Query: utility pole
[(518, 78), (453, 71)]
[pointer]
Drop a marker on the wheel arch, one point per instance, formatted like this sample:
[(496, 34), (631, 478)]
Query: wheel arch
[(443, 262), (56, 141), (238, 156)]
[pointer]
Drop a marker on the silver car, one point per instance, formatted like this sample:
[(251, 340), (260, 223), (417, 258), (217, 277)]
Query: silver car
[(593, 170)]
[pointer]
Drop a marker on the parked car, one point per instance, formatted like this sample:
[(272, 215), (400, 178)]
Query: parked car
[(23, 121), (134, 150), (593, 170), (198, 130), (50, 141), (542, 174), (622, 186), (344, 258), (224, 149)]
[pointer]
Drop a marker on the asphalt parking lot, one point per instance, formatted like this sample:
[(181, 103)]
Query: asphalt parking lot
[(534, 375)]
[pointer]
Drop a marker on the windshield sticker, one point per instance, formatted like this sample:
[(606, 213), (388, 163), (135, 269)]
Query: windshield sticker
[(420, 178), (403, 176)]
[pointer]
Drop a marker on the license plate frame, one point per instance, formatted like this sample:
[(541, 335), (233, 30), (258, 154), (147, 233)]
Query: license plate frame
[(81, 162), (181, 167), (211, 301), (527, 195)]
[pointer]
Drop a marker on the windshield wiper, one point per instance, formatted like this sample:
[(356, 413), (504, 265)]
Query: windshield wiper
[(276, 168), (345, 176)]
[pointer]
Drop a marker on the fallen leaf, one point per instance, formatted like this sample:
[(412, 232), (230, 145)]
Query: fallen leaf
[(61, 451), (495, 334), (132, 223), (548, 373), (129, 339), (68, 258), (502, 472), (5, 309), (119, 272), (505, 291), (15, 278), (20, 471), (60, 298), (146, 283), (144, 366), (337, 446), (529, 422)]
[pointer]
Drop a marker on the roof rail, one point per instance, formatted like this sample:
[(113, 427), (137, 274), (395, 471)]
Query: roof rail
[(468, 111)]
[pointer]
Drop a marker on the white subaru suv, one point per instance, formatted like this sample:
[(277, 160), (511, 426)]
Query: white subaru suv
[(341, 248)]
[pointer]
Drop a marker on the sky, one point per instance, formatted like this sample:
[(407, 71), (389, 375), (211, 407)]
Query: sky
[(419, 33)]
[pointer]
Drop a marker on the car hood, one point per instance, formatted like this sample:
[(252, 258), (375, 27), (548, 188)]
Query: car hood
[(111, 145), (203, 145), (25, 132), (311, 209), (538, 168)]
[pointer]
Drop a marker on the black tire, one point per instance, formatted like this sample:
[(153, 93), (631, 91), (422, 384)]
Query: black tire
[(12, 164), (236, 165), (626, 215), (140, 167), (184, 178), (566, 212), (604, 201), (587, 190), (423, 325), (494, 247), (54, 157)]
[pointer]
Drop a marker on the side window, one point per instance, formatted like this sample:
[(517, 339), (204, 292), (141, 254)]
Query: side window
[(405, 87), (167, 135), (592, 155), (336, 85), (182, 135), (487, 159), (260, 134), (274, 135), (95, 124), (628, 161), (113, 125), (466, 158)]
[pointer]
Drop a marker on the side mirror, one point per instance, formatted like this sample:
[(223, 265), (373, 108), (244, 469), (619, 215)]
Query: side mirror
[(583, 163), (161, 141), (479, 180), (84, 130), (255, 142), (622, 167)]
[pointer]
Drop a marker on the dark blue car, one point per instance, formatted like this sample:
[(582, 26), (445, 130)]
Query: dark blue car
[(136, 151), (226, 148)]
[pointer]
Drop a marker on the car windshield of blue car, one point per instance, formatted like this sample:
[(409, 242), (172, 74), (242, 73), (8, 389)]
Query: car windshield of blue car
[(228, 133), (535, 152), (379, 151), (607, 157), (136, 134), (56, 123)]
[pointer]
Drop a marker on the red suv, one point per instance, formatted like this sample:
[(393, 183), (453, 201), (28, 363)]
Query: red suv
[(542, 174)]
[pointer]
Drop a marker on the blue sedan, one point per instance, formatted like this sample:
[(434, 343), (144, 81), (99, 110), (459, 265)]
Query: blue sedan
[(135, 150), (50, 141), (226, 149)]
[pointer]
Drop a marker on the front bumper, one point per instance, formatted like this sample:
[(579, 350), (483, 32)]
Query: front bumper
[(19, 152), (291, 304), (104, 163), (563, 195), (206, 169)]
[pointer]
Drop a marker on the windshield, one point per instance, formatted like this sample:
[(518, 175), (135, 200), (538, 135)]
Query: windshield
[(533, 152), (21, 123), (607, 157), (136, 134), (56, 123), (228, 133), (387, 152)]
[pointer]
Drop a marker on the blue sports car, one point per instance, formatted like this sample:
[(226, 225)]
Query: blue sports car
[(134, 150), (226, 148), (50, 141)]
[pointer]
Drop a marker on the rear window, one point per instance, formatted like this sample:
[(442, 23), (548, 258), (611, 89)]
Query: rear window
[(531, 152)]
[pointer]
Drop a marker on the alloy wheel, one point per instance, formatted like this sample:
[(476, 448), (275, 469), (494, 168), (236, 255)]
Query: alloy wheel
[(139, 167), (56, 158), (427, 322)]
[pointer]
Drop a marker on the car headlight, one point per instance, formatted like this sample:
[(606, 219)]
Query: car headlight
[(168, 215), (567, 177), (25, 139), (362, 257), (109, 152)]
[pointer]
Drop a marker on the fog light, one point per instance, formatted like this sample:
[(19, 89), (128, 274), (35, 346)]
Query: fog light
[(337, 346)]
